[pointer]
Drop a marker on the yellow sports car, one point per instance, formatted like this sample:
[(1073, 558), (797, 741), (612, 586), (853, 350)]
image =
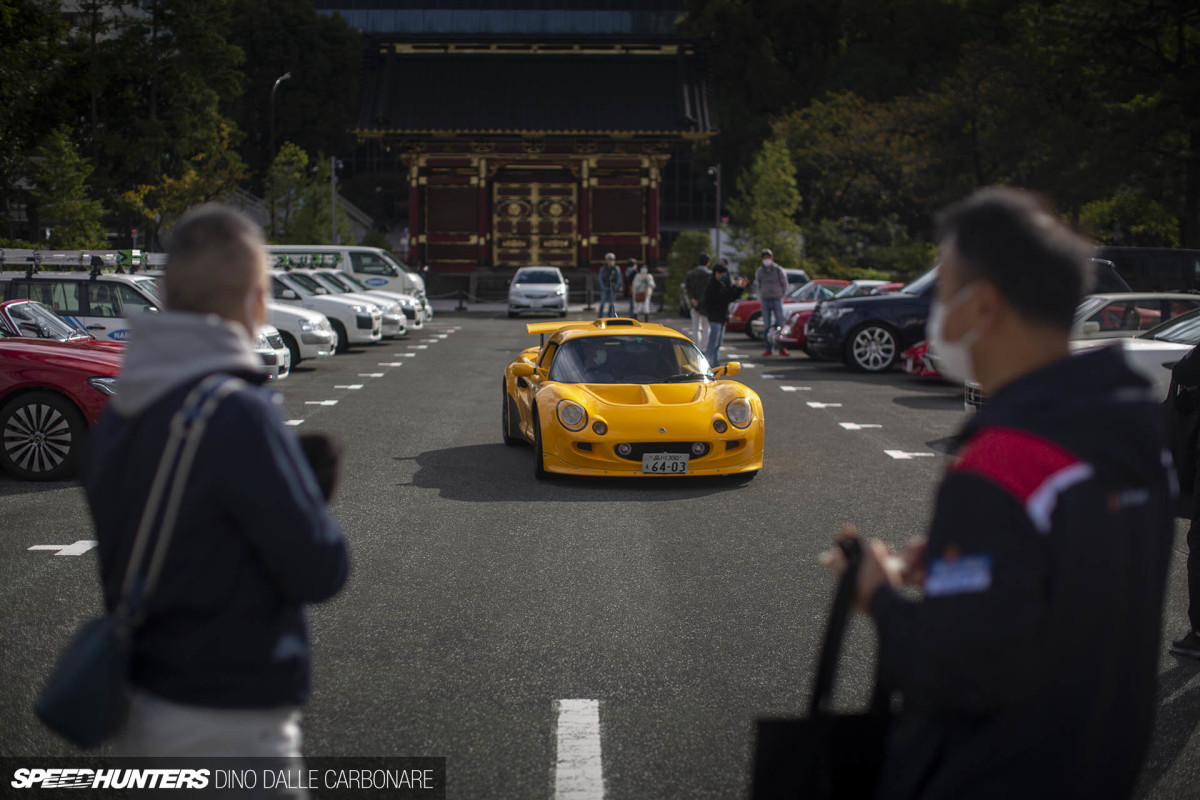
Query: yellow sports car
[(622, 398)]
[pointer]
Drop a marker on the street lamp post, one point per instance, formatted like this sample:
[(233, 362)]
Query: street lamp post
[(285, 76), (715, 172)]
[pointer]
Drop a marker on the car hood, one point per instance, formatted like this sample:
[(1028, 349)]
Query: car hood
[(652, 394), (296, 314), (95, 360), (876, 301)]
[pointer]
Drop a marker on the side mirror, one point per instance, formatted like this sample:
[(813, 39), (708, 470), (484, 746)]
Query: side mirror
[(289, 294), (730, 369), (1089, 328), (523, 370), (567, 281)]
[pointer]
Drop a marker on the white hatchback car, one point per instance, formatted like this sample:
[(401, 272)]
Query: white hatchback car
[(540, 289)]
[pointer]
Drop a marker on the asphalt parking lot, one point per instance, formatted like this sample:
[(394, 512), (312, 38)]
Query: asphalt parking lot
[(669, 612)]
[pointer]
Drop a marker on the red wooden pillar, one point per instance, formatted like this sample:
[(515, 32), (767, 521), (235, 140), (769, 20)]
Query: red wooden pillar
[(585, 216), (417, 255), (652, 217), (484, 215)]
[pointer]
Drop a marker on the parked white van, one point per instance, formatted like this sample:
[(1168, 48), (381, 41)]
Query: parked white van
[(374, 266)]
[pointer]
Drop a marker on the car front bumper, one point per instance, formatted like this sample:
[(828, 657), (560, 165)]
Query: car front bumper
[(730, 453)]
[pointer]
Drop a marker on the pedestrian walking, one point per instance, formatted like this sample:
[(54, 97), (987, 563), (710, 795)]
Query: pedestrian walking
[(220, 661), (631, 271), (1186, 376), (610, 284), (695, 283), (1027, 668), (771, 284), (720, 292), (643, 290)]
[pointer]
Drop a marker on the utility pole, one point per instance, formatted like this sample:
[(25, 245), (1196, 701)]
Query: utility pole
[(285, 76), (715, 172), (333, 165)]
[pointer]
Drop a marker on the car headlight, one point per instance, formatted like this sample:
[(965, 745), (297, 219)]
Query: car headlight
[(837, 312), (306, 325), (261, 343), (360, 309), (572, 415), (558, 291), (739, 412), (106, 386)]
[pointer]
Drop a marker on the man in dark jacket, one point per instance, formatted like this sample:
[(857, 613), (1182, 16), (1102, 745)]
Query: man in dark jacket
[(221, 660), (610, 285), (695, 283), (1186, 376), (718, 294), (1027, 669)]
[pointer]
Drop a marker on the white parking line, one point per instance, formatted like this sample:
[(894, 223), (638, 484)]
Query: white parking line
[(370, 374), (748, 365), (578, 770), (77, 549), (771, 376), (320, 402), (824, 405), (900, 455), (293, 422), (405, 355), (796, 388), (391, 363), (351, 386), (418, 347), (857, 426), (430, 341)]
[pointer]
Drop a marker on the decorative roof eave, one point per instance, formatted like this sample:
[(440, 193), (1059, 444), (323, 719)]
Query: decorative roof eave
[(379, 133)]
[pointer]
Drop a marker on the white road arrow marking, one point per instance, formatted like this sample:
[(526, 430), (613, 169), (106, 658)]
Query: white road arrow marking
[(293, 422), (320, 402), (578, 769), (824, 405), (900, 455), (796, 388), (77, 549), (370, 374), (856, 426), (351, 386)]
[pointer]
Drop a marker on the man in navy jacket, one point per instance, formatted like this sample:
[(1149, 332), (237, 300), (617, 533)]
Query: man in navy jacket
[(221, 661), (1027, 668)]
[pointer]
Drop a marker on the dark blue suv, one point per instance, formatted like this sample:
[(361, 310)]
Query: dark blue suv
[(869, 333)]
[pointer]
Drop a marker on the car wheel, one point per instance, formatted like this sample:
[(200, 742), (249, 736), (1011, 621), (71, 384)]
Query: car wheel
[(872, 348), (341, 343), (506, 419), (42, 436), (512, 314), (293, 348), (539, 459), (562, 314), (750, 324)]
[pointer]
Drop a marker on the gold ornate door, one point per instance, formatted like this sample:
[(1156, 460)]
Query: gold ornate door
[(534, 223)]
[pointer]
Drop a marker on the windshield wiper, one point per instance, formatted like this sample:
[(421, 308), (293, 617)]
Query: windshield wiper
[(681, 377)]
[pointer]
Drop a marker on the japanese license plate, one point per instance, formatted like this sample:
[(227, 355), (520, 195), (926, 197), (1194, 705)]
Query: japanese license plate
[(665, 463)]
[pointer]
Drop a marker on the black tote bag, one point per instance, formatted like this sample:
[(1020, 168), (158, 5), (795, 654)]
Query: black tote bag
[(825, 755)]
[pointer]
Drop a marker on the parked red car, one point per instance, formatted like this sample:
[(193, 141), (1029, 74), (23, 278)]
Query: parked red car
[(743, 312), (795, 315), (51, 393), (33, 320)]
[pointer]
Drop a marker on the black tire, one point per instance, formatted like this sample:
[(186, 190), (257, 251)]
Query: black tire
[(539, 459), (747, 476), (562, 314), (289, 341), (750, 325), (341, 342), (43, 435), (512, 314), (872, 347), (506, 419)]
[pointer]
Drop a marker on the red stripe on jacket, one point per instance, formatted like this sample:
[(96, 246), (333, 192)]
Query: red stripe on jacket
[(1014, 460)]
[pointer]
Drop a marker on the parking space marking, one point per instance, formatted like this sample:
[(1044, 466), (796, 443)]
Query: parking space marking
[(431, 341), (578, 769), (77, 549), (371, 374), (351, 386), (293, 422), (748, 365), (405, 355), (823, 405), (857, 426), (418, 347), (771, 376), (391, 363), (900, 455), (320, 402), (790, 388)]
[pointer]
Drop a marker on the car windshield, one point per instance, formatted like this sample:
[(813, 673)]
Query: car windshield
[(538, 276), (1184, 329), (628, 359), (332, 283), (358, 285), (39, 322), (308, 283), (1089, 306), (856, 290), (922, 285)]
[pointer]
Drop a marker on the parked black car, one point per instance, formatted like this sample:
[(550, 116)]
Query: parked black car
[(869, 333)]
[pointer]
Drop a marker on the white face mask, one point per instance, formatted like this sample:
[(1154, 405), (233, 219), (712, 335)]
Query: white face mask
[(766, 262), (954, 358)]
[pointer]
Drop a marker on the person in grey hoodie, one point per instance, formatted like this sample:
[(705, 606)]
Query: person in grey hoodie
[(771, 284), (220, 663)]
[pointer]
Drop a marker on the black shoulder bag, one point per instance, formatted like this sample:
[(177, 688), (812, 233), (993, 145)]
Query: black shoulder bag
[(86, 698), (825, 755)]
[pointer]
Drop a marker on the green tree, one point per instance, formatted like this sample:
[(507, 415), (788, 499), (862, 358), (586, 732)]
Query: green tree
[(376, 238), (299, 199), (765, 208), (61, 195), (684, 255)]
